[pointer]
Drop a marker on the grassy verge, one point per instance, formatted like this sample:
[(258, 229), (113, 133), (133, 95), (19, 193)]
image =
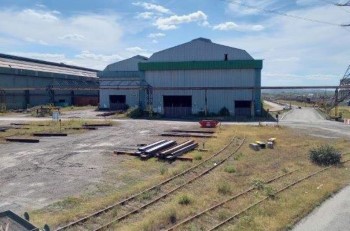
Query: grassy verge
[(77, 108), (46, 126), (237, 174), (296, 103), (344, 110)]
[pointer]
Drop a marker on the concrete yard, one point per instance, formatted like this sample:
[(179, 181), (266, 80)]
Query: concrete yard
[(35, 175)]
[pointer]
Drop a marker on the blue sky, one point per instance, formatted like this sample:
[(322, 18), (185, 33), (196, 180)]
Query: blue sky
[(93, 33)]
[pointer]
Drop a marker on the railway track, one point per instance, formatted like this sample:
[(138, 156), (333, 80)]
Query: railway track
[(209, 219), (105, 218)]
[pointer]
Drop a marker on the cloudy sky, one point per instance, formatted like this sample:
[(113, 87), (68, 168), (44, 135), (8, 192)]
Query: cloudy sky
[(92, 33)]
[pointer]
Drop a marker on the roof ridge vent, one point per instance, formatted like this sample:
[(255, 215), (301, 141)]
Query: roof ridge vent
[(202, 39)]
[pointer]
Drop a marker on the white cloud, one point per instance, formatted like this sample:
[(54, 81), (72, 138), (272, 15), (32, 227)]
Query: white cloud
[(132, 51), (135, 49), (226, 26), (145, 15), (156, 35), (31, 40), (76, 37), (171, 22), (154, 7), (237, 7), (312, 51), (99, 33)]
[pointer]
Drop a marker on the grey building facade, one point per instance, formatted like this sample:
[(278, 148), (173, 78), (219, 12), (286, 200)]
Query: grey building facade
[(28, 82), (198, 76)]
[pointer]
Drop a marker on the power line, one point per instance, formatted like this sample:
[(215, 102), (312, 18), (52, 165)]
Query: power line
[(336, 4), (344, 4), (286, 14)]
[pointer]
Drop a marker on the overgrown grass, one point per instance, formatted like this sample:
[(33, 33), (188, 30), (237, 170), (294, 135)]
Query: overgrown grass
[(66, 126), (344, 110)]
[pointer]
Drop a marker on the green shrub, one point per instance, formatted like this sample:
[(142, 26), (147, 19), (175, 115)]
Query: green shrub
[(163, 170), (270, 192), (230, 169), (185, 200), (224, 188), (325, 155), (135, 113), (224, 112), (198, 157), (259, 184)]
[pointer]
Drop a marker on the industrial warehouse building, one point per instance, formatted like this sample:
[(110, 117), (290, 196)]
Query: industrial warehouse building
[(194, 77), (28, 82)]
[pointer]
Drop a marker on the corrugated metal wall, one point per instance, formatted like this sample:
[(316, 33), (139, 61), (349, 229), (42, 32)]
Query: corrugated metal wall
[(132, 97), (17, 99), (202, 78), (216, 99)]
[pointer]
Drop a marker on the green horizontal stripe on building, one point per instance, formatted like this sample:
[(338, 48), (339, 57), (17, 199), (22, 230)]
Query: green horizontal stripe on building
[(201, 65)]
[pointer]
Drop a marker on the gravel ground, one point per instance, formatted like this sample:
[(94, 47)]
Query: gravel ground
[(35, 175)]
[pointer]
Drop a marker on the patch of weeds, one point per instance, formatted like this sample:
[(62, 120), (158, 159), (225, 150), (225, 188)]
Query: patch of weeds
[(284, 170), (270, 192), (145, 196), (194, 227), (224, 188), (163, 170), (185, 200), (238, 156), (259, 184), (325, 155), (69, 202), (230, 169), (198, 157), (223, 215)]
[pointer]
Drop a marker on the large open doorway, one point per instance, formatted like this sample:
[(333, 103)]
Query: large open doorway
[(177, 106), (117, 102), (243, 108)]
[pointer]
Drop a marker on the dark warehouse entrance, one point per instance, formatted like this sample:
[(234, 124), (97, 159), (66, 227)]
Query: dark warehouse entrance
[(243, 108), (177, 106), (117, 102)]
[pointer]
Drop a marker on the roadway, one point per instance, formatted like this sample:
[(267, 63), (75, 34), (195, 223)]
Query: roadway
[(334, 214)]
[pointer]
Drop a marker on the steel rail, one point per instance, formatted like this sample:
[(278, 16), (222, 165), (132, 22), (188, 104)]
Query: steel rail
[(227, 200), (95, 214), (104, 227), (267, 197)]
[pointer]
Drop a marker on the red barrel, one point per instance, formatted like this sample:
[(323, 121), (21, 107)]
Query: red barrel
[(208, 123)]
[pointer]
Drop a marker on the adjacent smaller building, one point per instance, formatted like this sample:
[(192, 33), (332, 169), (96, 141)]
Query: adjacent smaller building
[(28, 82), (195, 77)]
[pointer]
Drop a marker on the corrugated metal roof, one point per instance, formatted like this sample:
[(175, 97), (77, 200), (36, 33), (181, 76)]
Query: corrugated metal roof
[(20, 63), (201, 65), (130, 64), (200, 49)]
